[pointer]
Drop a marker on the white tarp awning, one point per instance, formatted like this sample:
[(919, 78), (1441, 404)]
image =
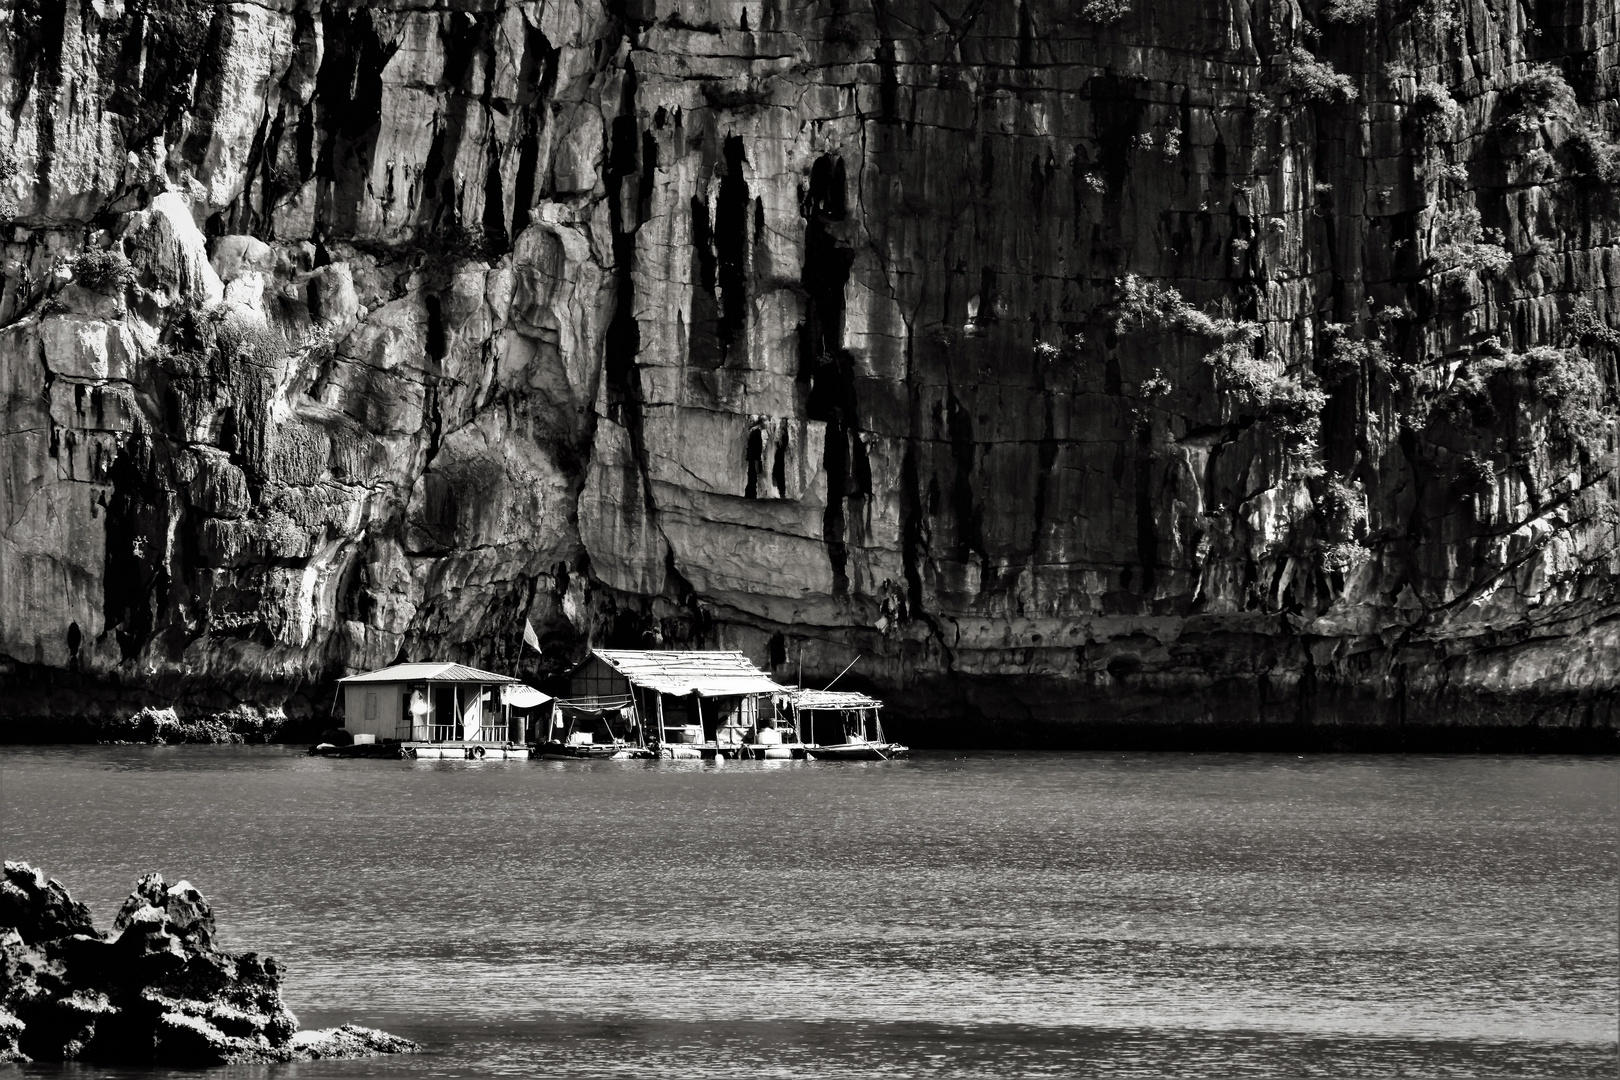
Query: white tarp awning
[(523, 697)]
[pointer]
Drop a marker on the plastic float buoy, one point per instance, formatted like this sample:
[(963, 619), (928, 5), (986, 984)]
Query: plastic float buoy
[(478, 753)]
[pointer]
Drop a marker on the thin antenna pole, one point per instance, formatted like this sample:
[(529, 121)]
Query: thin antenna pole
[(841, 674)]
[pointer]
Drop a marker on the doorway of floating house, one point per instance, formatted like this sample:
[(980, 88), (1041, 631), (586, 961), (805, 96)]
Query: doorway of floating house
[(446, 719)]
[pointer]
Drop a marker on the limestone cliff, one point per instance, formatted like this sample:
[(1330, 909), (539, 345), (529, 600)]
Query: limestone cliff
[(1203, 362)]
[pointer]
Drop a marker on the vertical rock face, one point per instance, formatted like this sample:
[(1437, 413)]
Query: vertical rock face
[(1176, 360)]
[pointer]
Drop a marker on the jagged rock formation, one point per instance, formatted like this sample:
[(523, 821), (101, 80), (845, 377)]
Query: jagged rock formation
[(154, 991), (1169, 361)]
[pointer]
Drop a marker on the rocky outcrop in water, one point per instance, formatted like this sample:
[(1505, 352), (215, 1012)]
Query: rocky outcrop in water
[(1168, 362), (153, 991)]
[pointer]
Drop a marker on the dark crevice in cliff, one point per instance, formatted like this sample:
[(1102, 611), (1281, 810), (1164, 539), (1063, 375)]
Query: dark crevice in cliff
[(137, 573), (48, 25), (731, 251), (831, 399), (888, 75), (967, 515), (348, 98), (622, 341), (1117, 108), (537, 79), (1048, 458), (496, 242), (718, 331), (756, 462), (1147, 540), (913, 529), (702, 340)]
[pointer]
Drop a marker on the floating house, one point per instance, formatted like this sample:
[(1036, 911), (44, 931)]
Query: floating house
[(442, 710), (681, 704)]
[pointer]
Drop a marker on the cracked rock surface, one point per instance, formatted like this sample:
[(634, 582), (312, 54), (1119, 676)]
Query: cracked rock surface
[(1183, 362), (154, 991)]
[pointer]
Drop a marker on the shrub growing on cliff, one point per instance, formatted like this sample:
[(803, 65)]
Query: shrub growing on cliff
[(1341, 506), (103, 271), (1147, 305), (1461, 245), (1539, 94), (1594, 157), (1342, 556), (1347, 356), (1570, 385), (1155, 386), (1582, 324), (1435, 111), (1475, 471), (1349, 12), (1294, 412), (1565, 381), (1104, 12), (1310, 79)]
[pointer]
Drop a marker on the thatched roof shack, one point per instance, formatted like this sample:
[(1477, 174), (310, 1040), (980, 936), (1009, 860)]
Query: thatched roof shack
[(679, 694)]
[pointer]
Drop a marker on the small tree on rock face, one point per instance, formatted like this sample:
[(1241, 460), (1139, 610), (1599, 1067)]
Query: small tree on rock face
[(1310, 79), (1538, 95), (1462, 247), (1435, 111), (1104, 12), (103, 271), (1350, 12), (1595, 157)]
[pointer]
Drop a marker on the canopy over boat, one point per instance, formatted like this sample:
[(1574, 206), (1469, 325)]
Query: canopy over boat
[(707, 674), (832, 699)]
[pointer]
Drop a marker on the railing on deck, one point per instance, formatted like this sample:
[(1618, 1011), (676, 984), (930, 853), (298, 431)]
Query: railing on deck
[(453, 733)]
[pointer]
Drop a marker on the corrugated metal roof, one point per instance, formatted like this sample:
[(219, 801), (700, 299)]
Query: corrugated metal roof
[(833, 699), (429, 673), (707, 674)]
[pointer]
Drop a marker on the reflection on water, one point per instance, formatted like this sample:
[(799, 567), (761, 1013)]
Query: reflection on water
[(988, 915)]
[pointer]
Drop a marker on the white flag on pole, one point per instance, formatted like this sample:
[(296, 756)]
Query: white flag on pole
[(530, 638)]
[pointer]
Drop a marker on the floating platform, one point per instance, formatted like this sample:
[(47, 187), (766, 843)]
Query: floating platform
[(462, 751), (388, 749), (560, 751)]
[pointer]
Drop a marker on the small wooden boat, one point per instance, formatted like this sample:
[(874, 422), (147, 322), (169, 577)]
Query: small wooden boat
[(595, 728), (860, 751), (614, 751), (848, 718)]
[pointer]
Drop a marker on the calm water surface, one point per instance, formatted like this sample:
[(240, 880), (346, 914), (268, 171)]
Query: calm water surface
[(989, 915)]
